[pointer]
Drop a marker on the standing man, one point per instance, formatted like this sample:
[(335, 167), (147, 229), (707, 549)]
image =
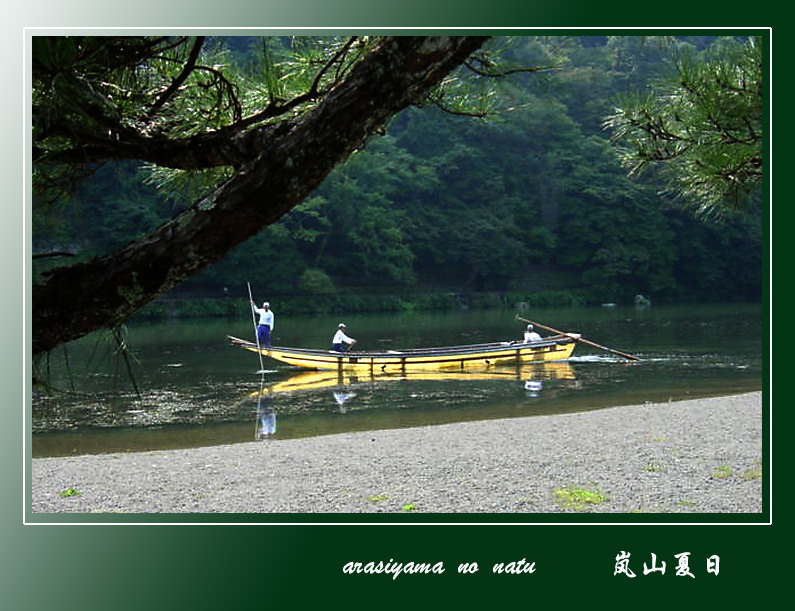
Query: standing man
[(265, 324), (340, 339)]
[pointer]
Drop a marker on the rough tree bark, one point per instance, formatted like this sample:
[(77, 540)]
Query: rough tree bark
[(286, 163)]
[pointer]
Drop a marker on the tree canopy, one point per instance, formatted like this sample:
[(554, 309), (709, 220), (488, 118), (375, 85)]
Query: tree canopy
[(703, 126), (97, 99)]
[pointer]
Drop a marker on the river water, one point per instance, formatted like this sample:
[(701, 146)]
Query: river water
[(183, 385)]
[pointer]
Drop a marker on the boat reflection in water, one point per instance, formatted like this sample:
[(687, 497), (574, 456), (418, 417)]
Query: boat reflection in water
[(342, 385)]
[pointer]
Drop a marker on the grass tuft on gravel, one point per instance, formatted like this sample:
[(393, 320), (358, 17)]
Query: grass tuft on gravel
[(578, 498)]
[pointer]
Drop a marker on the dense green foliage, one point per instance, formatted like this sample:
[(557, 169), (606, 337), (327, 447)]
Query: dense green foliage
[(704, 127), (532, 200)]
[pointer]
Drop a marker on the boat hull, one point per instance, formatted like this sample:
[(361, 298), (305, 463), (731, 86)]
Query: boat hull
[(556, 348)]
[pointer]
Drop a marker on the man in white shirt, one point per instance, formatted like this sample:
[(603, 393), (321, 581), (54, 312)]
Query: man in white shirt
[(264, 324), (340, 339), (530, 335)]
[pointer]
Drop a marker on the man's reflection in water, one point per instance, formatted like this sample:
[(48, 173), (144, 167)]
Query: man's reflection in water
[(342, 397), (266, 417), (533, 387)]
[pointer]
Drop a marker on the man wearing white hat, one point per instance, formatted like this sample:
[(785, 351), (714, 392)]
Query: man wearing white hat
[(265, 323), (340, 339)]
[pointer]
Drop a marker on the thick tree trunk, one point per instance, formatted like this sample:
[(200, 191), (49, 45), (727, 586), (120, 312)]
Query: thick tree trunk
[(287, 162)]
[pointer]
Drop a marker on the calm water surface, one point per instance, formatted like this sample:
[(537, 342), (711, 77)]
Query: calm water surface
[(191, 388)]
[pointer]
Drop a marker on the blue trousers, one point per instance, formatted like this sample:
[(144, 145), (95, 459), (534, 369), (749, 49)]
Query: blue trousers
[(264, 335)]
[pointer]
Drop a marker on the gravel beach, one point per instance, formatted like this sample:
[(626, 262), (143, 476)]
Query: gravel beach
[(694, 456)]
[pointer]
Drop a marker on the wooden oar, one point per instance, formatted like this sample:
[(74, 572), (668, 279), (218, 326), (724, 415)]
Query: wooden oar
[(581, 339), (256, 335)]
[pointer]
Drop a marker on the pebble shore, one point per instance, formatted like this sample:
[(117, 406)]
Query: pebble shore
[(693, 456)]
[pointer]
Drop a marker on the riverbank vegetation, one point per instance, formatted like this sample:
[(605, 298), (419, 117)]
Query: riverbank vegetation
[(529, 203), (237, 306)]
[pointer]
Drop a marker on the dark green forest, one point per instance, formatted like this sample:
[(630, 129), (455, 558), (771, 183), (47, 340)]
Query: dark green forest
[(529, 202)]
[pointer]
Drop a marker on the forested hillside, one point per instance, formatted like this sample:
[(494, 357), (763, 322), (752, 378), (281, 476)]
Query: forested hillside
[(529, 199)]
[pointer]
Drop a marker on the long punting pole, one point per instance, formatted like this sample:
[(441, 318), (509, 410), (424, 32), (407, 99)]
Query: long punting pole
[(581, 339), (256, 335)]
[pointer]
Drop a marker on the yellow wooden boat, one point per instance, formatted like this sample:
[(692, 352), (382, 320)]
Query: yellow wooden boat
[(555, 348)]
